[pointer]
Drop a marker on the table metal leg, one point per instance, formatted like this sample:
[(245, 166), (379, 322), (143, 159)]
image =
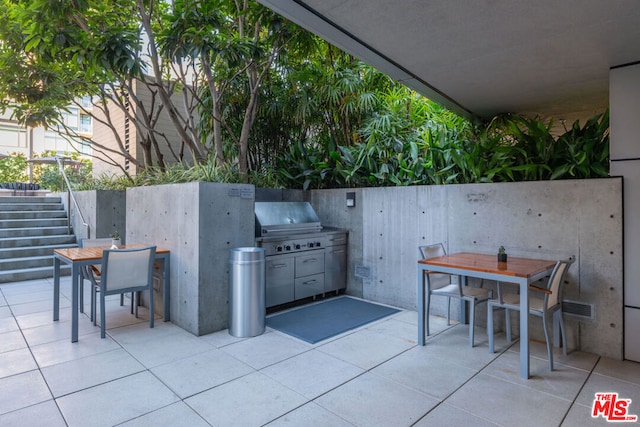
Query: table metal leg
[(524, 329), (421, 308), (75, 279), (56, 289), (167, 289)]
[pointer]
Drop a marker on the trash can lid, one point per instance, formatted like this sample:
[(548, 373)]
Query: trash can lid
[(246, 254)]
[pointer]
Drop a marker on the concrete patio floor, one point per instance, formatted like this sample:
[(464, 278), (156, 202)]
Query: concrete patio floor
[(373, 376)]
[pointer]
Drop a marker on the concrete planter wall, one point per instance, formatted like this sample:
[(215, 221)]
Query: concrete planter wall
[(198, 222), (549, 220), (103, 210)]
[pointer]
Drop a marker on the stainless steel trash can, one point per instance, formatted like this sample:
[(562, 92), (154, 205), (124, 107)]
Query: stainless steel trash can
[(247, 308)]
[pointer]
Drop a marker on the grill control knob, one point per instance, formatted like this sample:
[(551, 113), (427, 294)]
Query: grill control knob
[(287, 248), (310, 244), (279, 249), (297, 246), (317, 244)]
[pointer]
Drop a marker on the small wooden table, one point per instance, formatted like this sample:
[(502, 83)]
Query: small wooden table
[(522, 271), (79, 257)]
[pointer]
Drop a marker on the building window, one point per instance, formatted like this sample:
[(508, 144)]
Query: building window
[(85, 124)]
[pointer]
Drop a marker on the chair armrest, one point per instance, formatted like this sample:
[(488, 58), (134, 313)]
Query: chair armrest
[(539, 289), (95, 270)]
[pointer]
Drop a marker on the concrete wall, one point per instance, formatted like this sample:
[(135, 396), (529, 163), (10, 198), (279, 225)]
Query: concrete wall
[(103, 210), (549, 220), (199, 223)]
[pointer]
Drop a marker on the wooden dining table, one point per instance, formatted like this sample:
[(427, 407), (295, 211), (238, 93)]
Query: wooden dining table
[(79, 257), (522, 271)]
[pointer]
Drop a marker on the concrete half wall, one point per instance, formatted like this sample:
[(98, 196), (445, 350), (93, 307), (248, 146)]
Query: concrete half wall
[(199, 222), (548, 220)]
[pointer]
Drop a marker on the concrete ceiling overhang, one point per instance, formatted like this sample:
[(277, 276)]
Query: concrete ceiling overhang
[(549, 58)]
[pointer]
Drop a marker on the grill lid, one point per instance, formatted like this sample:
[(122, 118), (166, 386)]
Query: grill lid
[(285, 218)]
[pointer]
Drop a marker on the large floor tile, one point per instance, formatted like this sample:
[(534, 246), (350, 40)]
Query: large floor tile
[(312, 373), (79, 374), (220, 338), (8, 324), (252, 400), (200, 372), (15, 362), (37, 307), (64, 350), (43, 318), (22, 390), (310, 415), (5, 311), (165, 348), (11, 341), (433, 375), (622, 369), (57, 331), (45, 414), (175, 415), (266, 349), (603, 384), (447, 416), (384, 402), (116, 401), (526, 407), (27, 297), (366, 348), (564, 381), (396, 328)]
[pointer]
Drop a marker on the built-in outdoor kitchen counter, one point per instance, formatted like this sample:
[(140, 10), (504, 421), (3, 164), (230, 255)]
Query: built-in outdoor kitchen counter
[(303, 258)]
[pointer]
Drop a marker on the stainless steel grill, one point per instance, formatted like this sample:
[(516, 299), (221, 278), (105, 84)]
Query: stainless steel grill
[(303, 258)]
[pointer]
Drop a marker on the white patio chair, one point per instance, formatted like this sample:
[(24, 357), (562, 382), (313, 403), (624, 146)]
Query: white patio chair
[(543, 302), (126, 270), (470, 294)]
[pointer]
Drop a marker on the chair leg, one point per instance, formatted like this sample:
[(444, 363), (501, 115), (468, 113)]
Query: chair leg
[(490, 326), (102, 316), (426, 319), (562, 331), (94, 311), (546, 337), (151, 310), (507, 314), (472, 309), (81, 290), (448, 311)]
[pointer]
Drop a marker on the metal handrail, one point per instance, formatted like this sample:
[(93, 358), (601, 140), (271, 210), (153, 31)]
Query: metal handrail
[(70, 196)]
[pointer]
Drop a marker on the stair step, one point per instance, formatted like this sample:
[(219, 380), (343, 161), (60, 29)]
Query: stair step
[(9, 207), (30, 229), (26, 262), (37, 222), (8, 233), (21, 242), (12, 215), (20, 275), (29, 199), (31, 251)]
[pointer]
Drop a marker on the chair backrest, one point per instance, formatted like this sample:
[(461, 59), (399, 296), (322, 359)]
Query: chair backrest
[(432, 251), (127, 269), (556, 281), (92, 243)]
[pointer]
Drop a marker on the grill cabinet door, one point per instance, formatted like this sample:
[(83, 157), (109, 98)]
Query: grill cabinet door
[(279, 280)]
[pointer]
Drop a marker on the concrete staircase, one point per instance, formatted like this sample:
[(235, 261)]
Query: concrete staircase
[(30, 229)]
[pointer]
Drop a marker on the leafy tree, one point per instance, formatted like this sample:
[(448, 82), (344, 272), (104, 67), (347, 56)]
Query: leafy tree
[(178, 51), (13, 168)]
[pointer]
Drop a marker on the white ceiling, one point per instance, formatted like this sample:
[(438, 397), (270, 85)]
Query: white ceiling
[(482, 57)]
